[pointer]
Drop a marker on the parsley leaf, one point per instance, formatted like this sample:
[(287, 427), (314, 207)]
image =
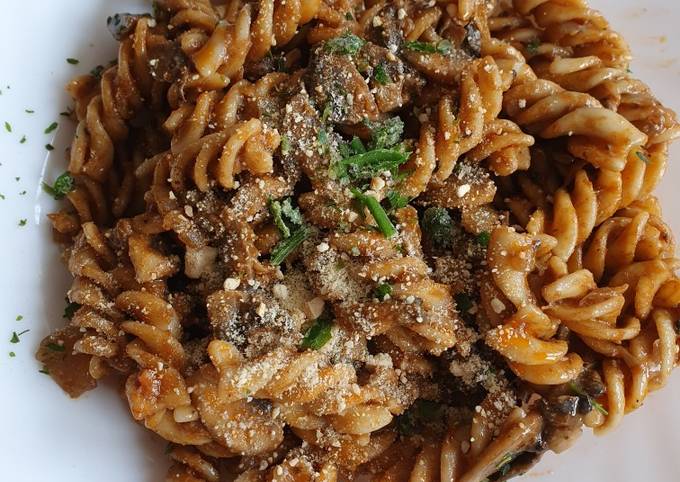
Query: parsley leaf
[(70, 309), (56, 347), (285, 145), (8, 126), (483, 238), (22, 140), (277, 214), (442, 47), (318, 334), (380, 75), (347, 43), (382, 291), (72, 61), (532, 47), (63, 185), (387, 133), (51, 127), (437, 225), (22, 222), (15, 336), (397, 200), (49, 147)]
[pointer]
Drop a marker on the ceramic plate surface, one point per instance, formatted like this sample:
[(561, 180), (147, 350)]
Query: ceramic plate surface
[(45, 436)]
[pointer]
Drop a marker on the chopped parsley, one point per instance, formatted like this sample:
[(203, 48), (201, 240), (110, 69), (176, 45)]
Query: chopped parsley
[(56, 347), (70, 309), (72, 61), (49, 147), (277, 214), (29, 111), (437, 225), (22, 140), (8, 126), (66, 113), (12, 354), (22, 222), (288, 245), (51, 128), (2, 196), (387, 133), (443, 47), (532, 47), (345, 44), (22, 193), (483, 238), (397, 200), (285, 145), (19, 317), (44, 370), (581, 393), (286, 216), (382, 291), (642, 157), (327, 111), (63, 185), (15, 336), (380, 75), (318, 334)]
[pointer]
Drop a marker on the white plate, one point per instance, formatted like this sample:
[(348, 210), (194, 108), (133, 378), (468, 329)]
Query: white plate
[(48, 437)]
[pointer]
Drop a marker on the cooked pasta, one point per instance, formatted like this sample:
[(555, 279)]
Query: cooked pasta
[(319, 240)]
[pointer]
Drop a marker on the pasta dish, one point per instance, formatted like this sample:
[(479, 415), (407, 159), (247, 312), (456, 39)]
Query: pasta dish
[(384, 240)]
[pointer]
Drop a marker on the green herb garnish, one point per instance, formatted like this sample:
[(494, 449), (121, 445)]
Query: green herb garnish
[(12, 354), (51, 127), (349, 16), (371, 163), (72, 61), (383, 221), (318, 334), (8, 126), (483, 238), (44, 370), (22, 222), (70, 309), (387, 133), (642, 157), (29, 111), (397, 200), (380, 75), (277, 214), (437, 225), (285, 145), (19, 317), (532, 47), (22, 140), (56, 347), (580, 392), (49, 147), (63, 185), (442, 47), (382, 290), (347, 43), (288, 245), (15, 336)]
